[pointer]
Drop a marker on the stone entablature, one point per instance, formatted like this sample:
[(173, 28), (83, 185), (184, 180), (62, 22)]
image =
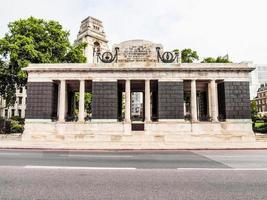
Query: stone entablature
[(246, 67), (163, 72)]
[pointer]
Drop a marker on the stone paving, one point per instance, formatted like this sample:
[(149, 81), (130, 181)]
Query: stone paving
[(14, 141)]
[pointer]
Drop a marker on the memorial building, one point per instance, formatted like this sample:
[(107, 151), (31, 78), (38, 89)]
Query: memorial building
[(140, 95)]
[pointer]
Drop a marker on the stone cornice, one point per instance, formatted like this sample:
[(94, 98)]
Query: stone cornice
[(139, 67)]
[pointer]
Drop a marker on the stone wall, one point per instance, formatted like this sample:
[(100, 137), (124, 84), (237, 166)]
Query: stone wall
[(105, 100), (237, 103), (170, 100), (41, 101)]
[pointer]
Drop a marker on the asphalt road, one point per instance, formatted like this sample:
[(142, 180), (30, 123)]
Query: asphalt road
[(133, 175)]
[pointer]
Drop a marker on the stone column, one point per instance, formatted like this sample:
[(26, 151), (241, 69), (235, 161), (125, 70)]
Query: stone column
[(214, 100), (23, 106), (81, 101), (127, 101), (209, 99), (193, 100), (62, 101), (147, 101)]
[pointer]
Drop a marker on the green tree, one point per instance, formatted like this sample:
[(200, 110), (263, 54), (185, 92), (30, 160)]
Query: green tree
[(219, 59), (189, 56), (33, 40), (87, 101), (254, 111)]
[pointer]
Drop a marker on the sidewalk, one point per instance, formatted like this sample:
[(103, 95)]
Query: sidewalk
[(14, 141)]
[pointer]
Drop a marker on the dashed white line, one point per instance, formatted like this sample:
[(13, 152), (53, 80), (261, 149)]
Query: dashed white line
[(9, 154), (236, 156), (95, 156), (222, 169), (77, 168)]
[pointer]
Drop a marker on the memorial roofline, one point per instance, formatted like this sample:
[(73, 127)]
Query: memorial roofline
[(139, 66)]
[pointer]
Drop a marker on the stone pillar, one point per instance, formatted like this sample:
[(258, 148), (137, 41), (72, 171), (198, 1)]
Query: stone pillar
[(214, 101), (209, 99), (193, 100), (81, 101), (127, 101), (62, 101), (147, 101), (23, 106)]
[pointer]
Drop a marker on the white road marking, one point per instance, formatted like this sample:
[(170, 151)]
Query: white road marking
[(130, 168), (95, 156), (235, 156), (222, 169), (77, 168), (9, 154)]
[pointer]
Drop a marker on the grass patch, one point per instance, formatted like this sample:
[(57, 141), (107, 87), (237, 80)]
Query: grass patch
[(259, 124)]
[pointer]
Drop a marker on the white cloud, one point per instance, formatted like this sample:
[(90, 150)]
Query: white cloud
[(212, 27)]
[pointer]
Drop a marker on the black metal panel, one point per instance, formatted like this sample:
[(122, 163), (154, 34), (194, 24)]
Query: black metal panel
[(41, 100), (170, 100), (105, 100), (237, 100)]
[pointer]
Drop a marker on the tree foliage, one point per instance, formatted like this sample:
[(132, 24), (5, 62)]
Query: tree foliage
[(254, 110), (33, 40), (188, 55), (219, 59)]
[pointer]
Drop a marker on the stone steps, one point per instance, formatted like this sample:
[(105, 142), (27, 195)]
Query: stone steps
[(139, 138), (261, 137)]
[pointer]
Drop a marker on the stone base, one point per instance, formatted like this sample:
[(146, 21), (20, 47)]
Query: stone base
[(156, 134)]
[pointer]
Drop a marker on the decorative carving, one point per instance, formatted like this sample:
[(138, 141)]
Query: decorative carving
[(167, 57), (108, 57)]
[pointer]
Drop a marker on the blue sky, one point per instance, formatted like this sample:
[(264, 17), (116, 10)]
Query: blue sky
[(212, 27)]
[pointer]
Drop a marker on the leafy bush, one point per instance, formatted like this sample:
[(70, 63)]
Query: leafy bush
[(260, 127), (18, 119), (16, 127), (2, 124)]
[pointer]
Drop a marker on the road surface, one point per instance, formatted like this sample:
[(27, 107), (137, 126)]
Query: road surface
[(216, 174)]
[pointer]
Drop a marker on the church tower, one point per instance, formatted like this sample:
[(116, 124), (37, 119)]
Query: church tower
[(92, 32)]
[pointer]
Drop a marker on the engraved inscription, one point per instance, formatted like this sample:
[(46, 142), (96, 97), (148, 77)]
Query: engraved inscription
[(137, 54)]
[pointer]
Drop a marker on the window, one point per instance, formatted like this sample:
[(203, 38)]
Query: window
[(20, 100), (96, 27), (12, 112), (20, 90), (6, 113), (19, 111)]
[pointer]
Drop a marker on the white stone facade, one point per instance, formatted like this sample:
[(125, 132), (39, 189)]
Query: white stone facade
[(18, 109), (257, 78)]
